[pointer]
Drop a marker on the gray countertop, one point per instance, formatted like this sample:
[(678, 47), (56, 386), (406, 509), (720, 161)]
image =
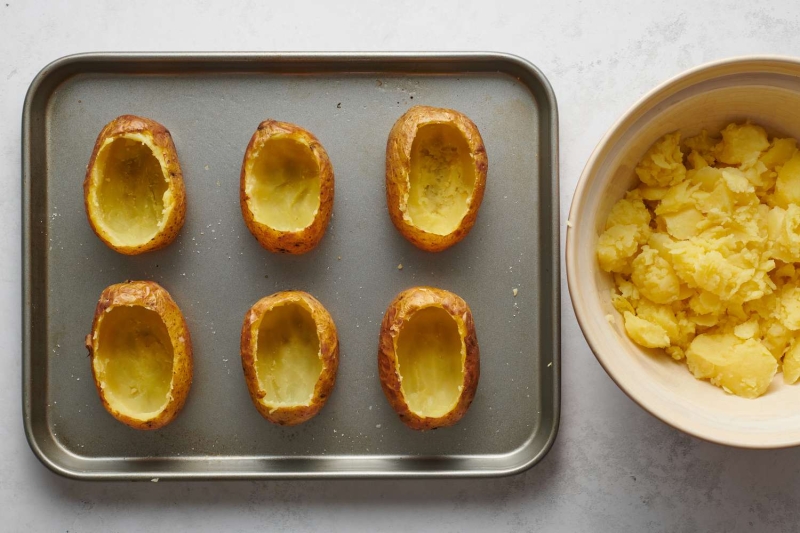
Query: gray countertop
[(613, 467)]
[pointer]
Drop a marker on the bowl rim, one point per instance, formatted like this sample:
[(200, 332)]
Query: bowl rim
[(639, 107)]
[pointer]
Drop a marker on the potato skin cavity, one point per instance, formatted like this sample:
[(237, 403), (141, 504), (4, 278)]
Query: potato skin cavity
[(136, 357), (134, 194), (430, 360), (424, 383), (436, 167), (141, 354), (441, 179), (286, 188), (286, 384), (287, 363)]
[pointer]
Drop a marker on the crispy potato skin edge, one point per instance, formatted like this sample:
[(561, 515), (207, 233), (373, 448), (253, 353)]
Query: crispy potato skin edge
[(401, 309), (329, 351), (290, 242), (398, 165), (154, 297), (162, 139)]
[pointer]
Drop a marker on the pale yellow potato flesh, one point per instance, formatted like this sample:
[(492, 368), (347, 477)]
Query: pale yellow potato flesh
[(744, 368), (441, 178), (284, 192), (430, 362), (135, 357), (287, 355), (130, 191), (704, 254)]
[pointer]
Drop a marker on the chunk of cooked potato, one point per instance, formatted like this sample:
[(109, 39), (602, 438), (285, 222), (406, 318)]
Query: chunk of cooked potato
[(646, 333), (286, 188), (744, 368), (141, 354), (787, 186), (290, 356), (134, 194), (428, 357), (742, 144), (662, 165), (791, 362), (436, 169)]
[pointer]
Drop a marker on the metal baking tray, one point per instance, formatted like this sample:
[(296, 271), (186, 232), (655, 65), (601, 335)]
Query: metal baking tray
[(215, 270)]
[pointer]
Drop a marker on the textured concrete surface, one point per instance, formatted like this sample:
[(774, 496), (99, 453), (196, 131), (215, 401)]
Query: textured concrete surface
[(613, 468)]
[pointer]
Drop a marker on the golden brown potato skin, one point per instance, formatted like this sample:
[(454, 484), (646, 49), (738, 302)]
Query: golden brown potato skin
[(329, 353), (398, 165), (162, 140), (154, 297), (401, 309), (289, 242)]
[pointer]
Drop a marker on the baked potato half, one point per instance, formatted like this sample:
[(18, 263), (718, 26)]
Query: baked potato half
[(133, 192), (286, 188), (141, 354), (290, 355), (436, 168), (428, 357)]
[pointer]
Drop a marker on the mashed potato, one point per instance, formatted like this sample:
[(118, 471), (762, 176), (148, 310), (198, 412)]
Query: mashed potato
[(705, 254)]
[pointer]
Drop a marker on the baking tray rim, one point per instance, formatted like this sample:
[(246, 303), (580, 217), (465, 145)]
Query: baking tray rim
[(367, 62)]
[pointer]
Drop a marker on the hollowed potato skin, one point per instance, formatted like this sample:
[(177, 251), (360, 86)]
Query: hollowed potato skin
[(328, 346), (398, 166), (162, 140), (401, 309), (290, 242), (154, 297)]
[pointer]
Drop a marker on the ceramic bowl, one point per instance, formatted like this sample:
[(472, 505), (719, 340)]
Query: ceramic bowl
[(765, 90)]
